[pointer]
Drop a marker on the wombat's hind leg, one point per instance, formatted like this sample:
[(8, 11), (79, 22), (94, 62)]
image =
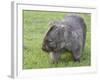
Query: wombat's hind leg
[(76, 55), (54, 57)]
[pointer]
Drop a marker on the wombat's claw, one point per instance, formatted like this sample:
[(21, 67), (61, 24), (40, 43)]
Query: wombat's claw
[(77, 60), (54, 62)]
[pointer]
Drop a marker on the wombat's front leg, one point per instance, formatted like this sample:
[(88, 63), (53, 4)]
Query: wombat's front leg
[(54, 57)]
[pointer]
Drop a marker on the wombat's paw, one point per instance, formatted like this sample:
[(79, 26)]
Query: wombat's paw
[(53, 62), (76, 60)]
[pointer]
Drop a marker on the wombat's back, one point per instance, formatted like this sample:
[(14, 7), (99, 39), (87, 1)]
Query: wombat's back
[(77, 31), (75, 21)]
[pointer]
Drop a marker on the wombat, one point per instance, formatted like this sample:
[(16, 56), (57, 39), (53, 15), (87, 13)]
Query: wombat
[(68, 34)]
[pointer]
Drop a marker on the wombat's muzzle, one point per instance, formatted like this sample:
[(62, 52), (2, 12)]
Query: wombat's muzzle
[(45, 48)]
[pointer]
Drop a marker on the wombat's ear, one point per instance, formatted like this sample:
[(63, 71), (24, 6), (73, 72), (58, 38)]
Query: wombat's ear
[(50, 29), (51, 24)]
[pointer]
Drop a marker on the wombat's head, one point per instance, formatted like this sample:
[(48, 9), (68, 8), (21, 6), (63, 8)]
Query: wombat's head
[(53, 37)]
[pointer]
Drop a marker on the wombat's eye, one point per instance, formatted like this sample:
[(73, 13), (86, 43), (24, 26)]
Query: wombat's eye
[(50, 40)]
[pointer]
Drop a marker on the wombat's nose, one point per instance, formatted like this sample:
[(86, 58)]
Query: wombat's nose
[(43, 48)]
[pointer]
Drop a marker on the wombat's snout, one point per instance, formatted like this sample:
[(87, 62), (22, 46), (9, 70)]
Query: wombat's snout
[(45, 48)]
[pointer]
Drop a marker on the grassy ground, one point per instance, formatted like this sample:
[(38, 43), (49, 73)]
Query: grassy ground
[(35, 24)]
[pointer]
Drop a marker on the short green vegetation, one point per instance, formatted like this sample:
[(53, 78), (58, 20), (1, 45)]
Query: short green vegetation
[(35, 25)]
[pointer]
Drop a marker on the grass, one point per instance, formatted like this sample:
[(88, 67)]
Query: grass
[(35, 25)]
